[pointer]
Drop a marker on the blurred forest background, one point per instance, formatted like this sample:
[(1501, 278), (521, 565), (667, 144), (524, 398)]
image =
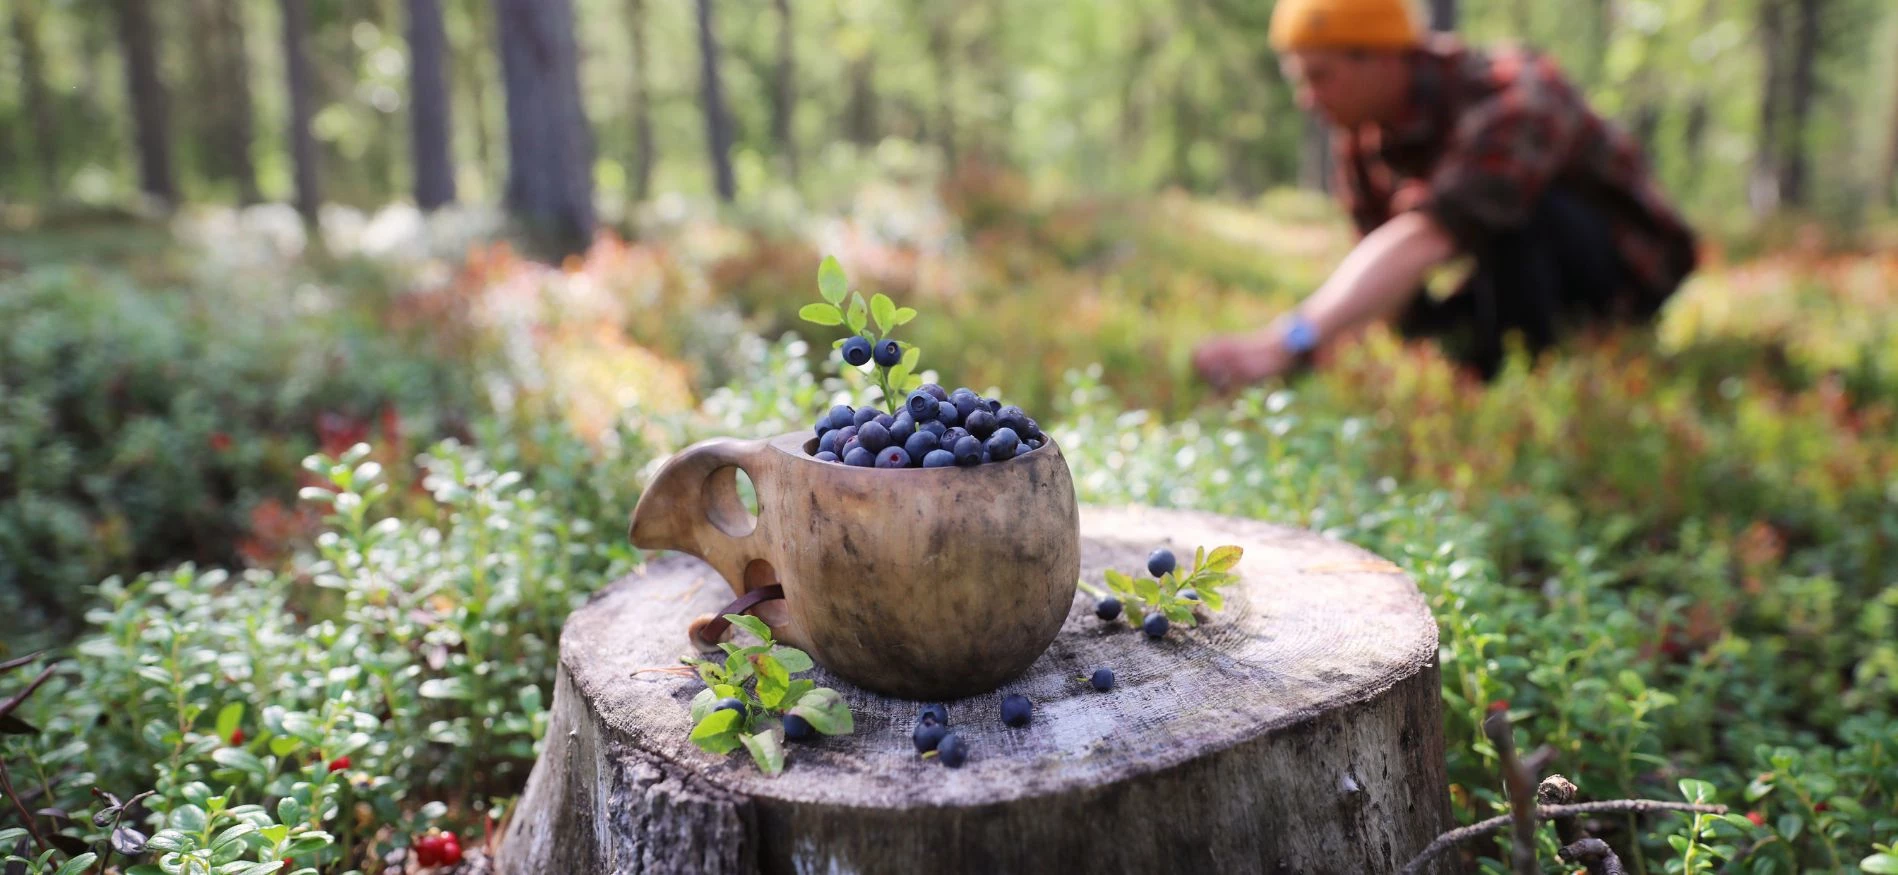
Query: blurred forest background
[(1747, 108)]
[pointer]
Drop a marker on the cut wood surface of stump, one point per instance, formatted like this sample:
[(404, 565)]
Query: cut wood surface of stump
[(1298, 730)]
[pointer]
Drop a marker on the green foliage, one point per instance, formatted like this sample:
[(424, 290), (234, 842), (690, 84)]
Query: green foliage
[(1140, 596), (894, 382), (772, 693)]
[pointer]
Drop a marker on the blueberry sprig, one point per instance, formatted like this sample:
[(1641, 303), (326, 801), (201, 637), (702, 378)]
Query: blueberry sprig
[(751, 701), (895, 363), (1153, 604)]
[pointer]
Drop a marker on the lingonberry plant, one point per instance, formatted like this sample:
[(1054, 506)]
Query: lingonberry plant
[(750, 699)]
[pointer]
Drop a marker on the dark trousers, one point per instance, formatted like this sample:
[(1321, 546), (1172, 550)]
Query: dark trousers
[(1555, 272)]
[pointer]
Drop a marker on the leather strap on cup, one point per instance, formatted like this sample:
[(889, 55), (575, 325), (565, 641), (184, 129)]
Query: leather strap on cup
[(714, 631)]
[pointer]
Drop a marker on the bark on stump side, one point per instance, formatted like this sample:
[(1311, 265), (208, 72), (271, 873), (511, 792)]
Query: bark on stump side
[(1297, 731)]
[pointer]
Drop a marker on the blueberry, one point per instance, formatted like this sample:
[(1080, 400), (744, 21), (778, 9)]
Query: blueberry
[(961, 391), (1017, 710), (1160, 561), (1190, 595), (927, 735), (1103, 679), (1107, 608), (921, 444), (823, 425), (884, 419), (859, 457), (939, 459), (968, 451), (1155, 625), (844, 435), (921, 406), (934, 390), (936, 712), (889, 353), (951, 751), (857, 351), (729, 704), (965, 405), (900, 431), (841, 416), (894, 457), (981, 423), (1003, 444), (844, 448), (947, 413), (1014, 421), (864, 414), (953, 434), (826, 457), (873, 437), (796, 728), (1030, 429), (933, 427), (994, 406), (828, 443)]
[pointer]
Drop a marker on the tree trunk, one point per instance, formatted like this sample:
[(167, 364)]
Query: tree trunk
[(223, 85), (718, 124), (1299, 730), (860, 113), (1794, 173), (1443, 15), (39, 103), (644, 156), (784, 92), (550, 147), (942, 54), (470, 72), (146, 92), (429, 106), (1763, 190), (303, 155), (1889, 178)]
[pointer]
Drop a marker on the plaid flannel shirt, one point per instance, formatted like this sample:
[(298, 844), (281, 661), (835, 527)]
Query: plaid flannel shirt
[(1480, 139)]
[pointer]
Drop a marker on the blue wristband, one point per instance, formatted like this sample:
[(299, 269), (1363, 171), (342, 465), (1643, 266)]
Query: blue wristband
[(1301, 336)]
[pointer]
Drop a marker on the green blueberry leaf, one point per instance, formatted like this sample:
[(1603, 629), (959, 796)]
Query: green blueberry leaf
[(884, 310), (1224, 558), (826, 711), (702, 704), (1212, 599), (903, 315), (717, 733), (773, 681), (831, 282), (766, 751), (857, 310), (793, 659), (751, 624), (821, 314)]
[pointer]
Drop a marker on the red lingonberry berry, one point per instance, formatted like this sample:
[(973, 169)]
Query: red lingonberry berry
[(1757, 818), (237, 737), (339, 764)]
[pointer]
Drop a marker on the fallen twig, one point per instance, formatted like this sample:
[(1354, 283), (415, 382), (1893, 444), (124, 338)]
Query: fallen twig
[(1550, 812), (1522, 851), (1596, 855)]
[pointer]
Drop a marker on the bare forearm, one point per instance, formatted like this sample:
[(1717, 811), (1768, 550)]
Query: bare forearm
[(1379, 275)]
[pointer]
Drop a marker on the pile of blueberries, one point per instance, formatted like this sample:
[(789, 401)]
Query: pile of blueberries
[(935, 429)]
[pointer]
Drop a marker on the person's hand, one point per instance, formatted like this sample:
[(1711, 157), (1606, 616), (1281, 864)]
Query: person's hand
[(1234, 361)]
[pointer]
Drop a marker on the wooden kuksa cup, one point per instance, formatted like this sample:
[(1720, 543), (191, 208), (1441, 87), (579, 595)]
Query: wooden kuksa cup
[(923, 583)]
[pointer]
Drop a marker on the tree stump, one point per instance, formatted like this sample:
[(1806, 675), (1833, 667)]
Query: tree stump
[(1296, 731)]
